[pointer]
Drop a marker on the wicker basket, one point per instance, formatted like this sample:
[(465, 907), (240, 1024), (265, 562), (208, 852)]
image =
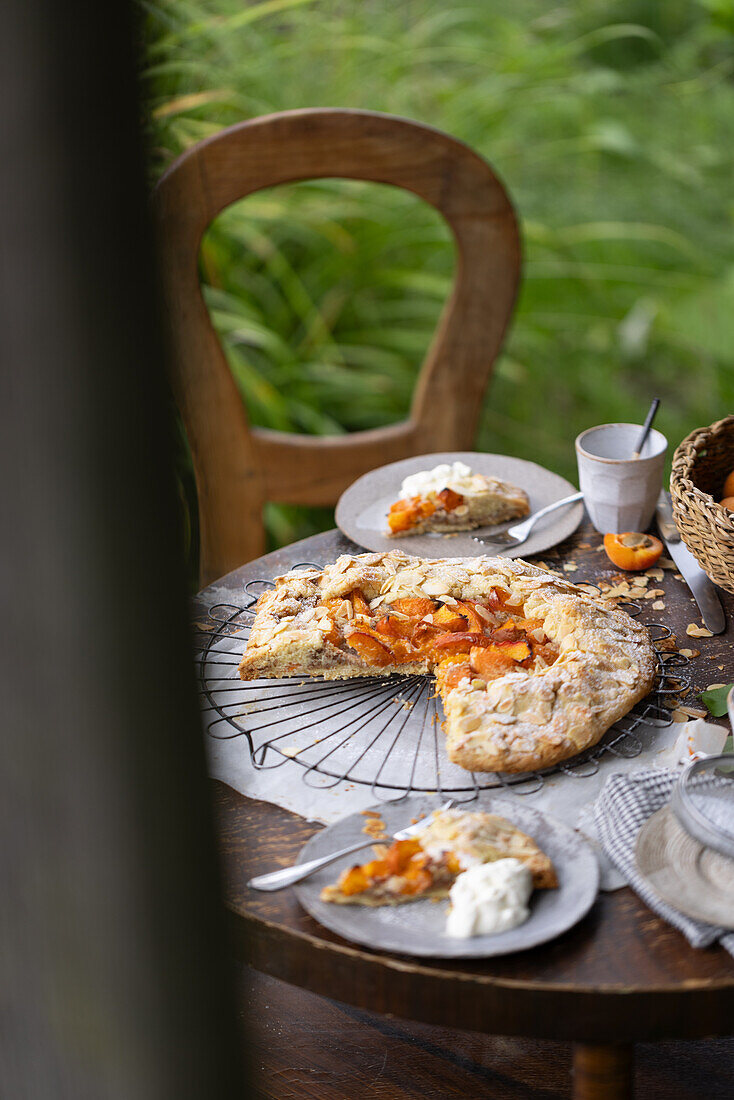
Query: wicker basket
[(700, 466)]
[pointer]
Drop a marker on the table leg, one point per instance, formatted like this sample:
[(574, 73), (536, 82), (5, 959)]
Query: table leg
[(603, 1071)]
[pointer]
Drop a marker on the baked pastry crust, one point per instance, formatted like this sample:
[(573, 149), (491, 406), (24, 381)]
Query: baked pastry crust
[(452, 841), (484, 502), (592, 662)]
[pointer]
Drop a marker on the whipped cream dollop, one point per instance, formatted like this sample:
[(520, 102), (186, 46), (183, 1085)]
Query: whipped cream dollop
[(457, 476), (489, 898)]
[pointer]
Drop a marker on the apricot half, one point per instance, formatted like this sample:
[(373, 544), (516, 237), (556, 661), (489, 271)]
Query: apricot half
[(632, 550)]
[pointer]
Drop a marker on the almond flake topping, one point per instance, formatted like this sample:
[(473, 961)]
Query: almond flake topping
[(435, 587), (408, 578), (695, 631)]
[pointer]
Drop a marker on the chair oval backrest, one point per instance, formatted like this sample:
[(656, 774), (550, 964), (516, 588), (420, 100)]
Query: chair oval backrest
[(238, 468)]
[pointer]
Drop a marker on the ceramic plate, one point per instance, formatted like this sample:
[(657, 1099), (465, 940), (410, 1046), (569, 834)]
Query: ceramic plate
[(362, 510), (696, 880), (417, 928)]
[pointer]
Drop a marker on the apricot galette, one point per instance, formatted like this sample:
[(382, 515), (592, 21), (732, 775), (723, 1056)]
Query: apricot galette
[(530, 668)]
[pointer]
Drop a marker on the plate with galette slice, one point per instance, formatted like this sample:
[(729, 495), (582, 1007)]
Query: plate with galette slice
[(405, 896), (433, 505)]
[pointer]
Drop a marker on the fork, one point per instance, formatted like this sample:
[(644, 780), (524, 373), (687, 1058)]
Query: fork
[(516, 535), (276, 880)]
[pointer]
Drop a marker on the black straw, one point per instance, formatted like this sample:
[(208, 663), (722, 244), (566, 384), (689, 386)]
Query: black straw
[(646, 427)]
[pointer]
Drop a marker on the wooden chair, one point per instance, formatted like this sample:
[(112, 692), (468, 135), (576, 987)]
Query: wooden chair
[(237, 467)]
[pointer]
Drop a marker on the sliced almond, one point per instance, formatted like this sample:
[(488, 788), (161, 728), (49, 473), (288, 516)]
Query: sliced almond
[(435, 587), (410, 577), (483, 613), (658, 605), (694, 712), (690, 652), (695, 631), (619, 591)]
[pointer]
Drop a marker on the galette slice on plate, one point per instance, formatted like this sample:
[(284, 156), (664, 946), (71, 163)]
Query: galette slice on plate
[(452, 498), (427, 865)]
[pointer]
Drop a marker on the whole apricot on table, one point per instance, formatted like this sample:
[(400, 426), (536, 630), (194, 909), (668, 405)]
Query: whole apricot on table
[(633, 550), (728, 502), (728, 490)]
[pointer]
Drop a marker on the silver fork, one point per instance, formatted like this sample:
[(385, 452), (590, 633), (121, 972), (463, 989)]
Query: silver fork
[(513, 536), (276, 880)]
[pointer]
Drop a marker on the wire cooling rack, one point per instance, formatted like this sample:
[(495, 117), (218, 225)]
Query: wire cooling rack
[(383, 732)]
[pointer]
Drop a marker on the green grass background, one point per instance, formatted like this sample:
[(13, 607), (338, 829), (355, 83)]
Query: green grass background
[(611, 123)]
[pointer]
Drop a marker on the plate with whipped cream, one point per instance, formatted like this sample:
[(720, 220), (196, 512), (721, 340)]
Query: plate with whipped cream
[(487, 877), (433, 505)]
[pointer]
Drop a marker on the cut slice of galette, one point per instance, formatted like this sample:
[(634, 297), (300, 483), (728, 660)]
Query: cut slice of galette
[(453, 498), (427, 865)]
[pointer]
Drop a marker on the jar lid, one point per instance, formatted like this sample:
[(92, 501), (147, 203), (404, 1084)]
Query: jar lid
[(703, 802)]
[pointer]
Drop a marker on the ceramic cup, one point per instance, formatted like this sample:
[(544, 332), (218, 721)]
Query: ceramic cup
[(620, 492)]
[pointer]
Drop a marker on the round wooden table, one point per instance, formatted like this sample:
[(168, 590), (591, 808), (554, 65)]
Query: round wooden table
[(621, 975)]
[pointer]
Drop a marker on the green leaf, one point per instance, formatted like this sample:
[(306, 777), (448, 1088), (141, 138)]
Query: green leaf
[(715, 700)]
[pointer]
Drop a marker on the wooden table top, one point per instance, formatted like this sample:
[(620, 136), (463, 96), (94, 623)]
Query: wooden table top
[(621, 974)]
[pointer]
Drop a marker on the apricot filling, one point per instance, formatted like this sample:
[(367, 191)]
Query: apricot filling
[(411, 512), (405, 514), (480, 639), (404, 860)]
